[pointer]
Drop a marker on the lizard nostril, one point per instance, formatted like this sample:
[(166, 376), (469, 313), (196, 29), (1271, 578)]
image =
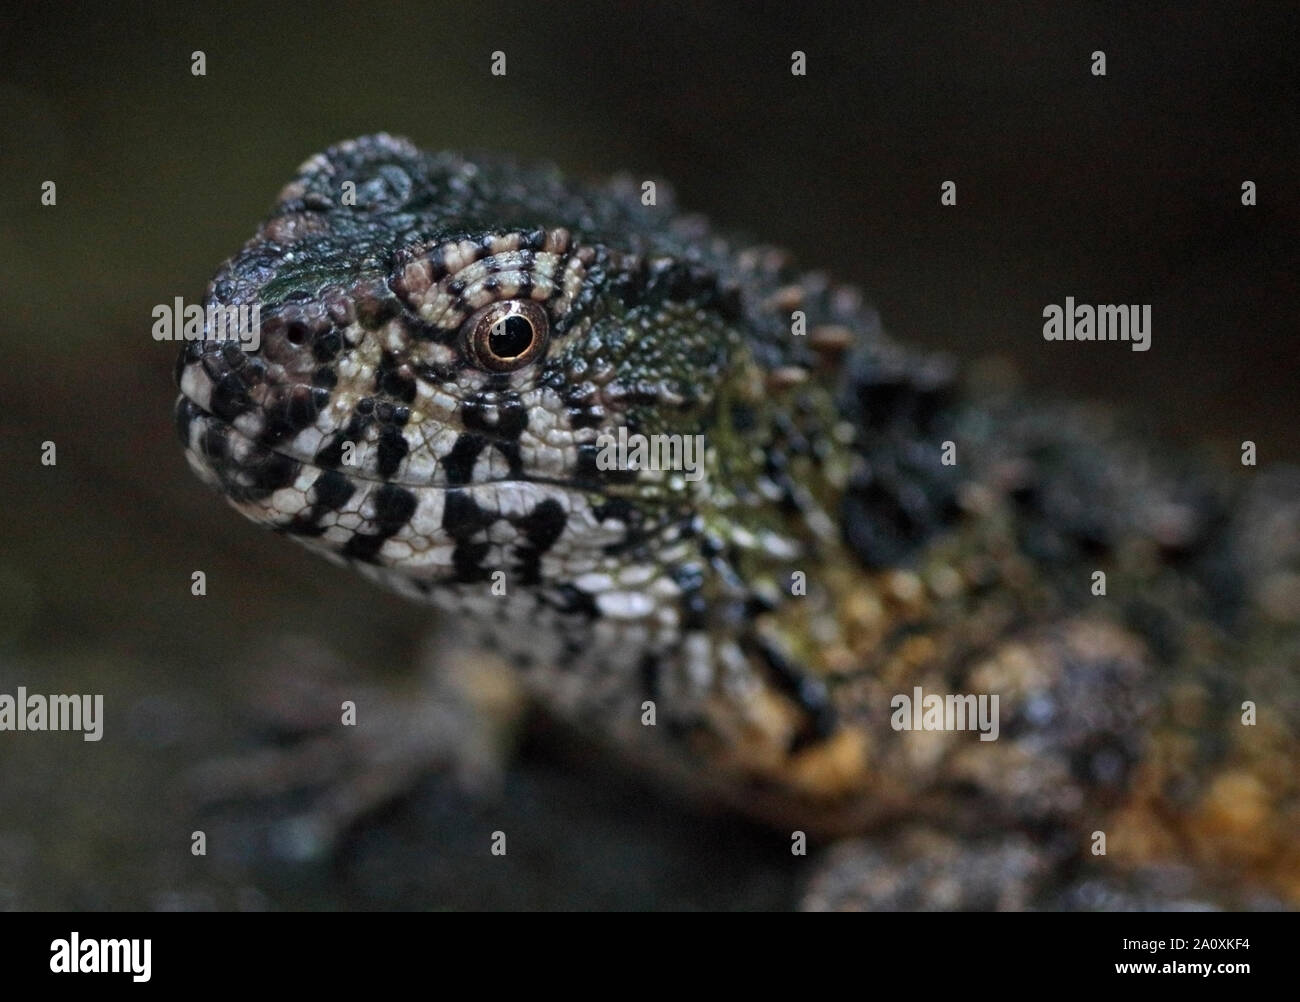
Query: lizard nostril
[(296, 334)]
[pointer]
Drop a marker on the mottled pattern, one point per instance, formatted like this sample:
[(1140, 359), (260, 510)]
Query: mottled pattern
[(825, 560)]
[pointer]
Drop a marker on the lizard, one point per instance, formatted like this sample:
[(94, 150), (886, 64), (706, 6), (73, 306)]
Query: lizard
[(447, 343)]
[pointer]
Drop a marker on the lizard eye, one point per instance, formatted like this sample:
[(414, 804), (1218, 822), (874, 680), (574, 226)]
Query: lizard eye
[(506, 336)]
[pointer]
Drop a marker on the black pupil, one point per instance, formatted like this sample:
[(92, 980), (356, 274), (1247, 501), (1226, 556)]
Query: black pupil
[(510, 337)]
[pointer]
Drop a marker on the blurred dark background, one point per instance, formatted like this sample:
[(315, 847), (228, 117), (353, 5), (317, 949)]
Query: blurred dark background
[(1122, 189)]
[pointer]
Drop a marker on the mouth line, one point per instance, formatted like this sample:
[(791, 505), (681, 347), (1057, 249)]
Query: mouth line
[(360, 476)]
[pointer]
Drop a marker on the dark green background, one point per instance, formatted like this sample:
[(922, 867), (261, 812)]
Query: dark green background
[(1122, 189)]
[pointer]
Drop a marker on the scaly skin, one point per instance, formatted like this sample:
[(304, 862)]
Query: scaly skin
[(826, 560)]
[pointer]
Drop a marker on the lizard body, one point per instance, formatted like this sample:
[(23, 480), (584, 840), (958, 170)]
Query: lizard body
[(440, 359)]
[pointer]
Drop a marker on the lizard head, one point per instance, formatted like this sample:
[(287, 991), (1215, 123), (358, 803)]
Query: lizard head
[(451, 364)]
